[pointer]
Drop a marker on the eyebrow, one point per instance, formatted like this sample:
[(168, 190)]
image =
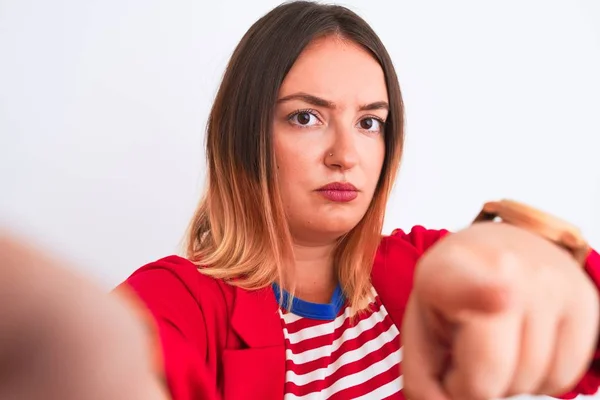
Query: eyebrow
[(319, 102)]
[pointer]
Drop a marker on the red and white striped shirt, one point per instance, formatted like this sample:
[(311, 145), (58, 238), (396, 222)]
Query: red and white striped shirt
[(327, 358)]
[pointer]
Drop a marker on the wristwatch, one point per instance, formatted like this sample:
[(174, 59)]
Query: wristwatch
[(548, 226)]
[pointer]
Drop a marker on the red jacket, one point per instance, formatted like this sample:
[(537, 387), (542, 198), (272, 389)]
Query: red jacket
[(223, 342)]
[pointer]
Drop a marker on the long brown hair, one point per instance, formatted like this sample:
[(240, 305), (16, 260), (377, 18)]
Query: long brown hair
[(239, 231)]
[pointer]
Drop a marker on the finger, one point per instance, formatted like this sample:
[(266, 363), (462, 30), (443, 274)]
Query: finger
[(484, 356), (575, 343), (538, 338), (423, 358), (452, 279)]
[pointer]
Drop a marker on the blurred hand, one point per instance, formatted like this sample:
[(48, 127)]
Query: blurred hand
[(63, 338), (497, 311)]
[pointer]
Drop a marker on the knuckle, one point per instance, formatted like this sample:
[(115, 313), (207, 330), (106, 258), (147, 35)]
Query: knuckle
[(560, 381), (464, 387), (499, 294), (473, 392), (557, 387), (524, 386)]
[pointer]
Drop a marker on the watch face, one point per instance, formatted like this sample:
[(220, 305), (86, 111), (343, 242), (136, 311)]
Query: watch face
[(552, 228)]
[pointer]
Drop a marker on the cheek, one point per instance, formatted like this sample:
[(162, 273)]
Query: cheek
[(285, 156), (292, 165), (374, 162)]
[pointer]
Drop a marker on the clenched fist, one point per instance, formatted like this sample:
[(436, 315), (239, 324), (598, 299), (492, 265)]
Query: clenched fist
[(497, 311)]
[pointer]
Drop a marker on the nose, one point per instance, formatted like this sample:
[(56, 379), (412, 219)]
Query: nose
[(343, 152)]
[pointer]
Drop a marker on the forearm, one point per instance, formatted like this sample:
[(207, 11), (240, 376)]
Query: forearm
[(63, 338)]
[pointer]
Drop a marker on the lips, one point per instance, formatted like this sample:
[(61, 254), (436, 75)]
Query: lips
[(340, 192)]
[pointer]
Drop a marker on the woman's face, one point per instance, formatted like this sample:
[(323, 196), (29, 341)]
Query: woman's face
[(329, 138)]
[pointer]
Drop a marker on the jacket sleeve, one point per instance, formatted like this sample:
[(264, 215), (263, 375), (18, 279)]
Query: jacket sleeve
[(590, 382), (169, 291), (420, 237)]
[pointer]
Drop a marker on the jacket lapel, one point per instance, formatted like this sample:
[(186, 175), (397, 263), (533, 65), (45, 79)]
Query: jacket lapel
[(256, 368), (255, 318)]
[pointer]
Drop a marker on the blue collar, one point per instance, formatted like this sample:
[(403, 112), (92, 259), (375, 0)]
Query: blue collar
[(310, 310)]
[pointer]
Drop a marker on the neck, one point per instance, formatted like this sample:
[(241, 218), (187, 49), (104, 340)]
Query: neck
[(314, 272)]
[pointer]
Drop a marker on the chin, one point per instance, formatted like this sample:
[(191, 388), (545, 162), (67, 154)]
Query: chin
[(337, 226), (326, 223), (323, 229)]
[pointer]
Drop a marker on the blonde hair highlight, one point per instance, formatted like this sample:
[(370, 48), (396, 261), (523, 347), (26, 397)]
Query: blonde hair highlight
[(239, 232)]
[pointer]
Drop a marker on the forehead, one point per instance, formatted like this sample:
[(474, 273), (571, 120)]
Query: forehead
[(338, 70)]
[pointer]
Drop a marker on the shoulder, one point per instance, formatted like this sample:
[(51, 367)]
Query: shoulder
[(175, 268), (402, 249), (415, 242), (174, 284), (395, 261)]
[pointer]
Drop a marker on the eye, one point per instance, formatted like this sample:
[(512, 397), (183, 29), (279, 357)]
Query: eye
[(304, 118), (371, 124)]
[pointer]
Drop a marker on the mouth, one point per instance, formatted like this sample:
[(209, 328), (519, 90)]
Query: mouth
[(339, 192)]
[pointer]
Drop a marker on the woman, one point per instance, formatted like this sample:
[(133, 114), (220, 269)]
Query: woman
[(304, 140), (288, 290)]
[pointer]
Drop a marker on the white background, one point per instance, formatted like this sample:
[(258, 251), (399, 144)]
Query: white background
[(103, 105)]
